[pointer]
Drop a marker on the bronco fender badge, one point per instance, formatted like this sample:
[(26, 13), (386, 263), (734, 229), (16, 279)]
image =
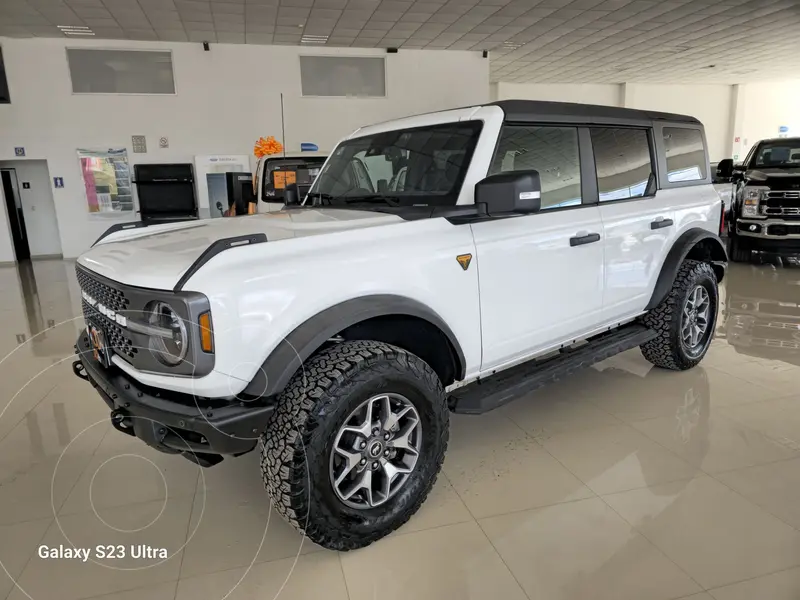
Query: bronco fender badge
[(464, 260)]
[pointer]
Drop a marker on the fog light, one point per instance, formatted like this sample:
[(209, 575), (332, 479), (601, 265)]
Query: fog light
[(753, 227)]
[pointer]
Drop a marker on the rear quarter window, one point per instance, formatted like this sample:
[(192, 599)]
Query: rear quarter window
[(685, 154)]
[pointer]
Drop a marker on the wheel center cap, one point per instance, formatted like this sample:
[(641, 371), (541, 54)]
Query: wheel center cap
[(375, 449)]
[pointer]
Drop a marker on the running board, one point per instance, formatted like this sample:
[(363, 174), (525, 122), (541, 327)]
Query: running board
[(495, 391)]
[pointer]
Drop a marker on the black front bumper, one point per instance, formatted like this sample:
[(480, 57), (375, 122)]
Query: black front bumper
[(201, 429)]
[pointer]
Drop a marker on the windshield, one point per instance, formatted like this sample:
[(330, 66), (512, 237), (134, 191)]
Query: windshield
[(778, 153), (409, 167)]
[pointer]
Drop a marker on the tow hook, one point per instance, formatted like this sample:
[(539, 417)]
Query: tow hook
[(122, 422), (79, 370)]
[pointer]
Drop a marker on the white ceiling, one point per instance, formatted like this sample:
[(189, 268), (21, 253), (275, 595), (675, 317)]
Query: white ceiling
[(541, 41)]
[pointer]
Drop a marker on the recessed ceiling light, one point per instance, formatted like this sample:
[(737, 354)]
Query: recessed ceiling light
[(314, 39), (509, 45), (75, 30)]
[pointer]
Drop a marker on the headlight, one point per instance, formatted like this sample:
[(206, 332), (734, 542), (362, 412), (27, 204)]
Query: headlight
[(752, 196), (170, 346)]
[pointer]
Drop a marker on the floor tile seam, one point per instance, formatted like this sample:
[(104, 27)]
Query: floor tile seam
[(651, 542)]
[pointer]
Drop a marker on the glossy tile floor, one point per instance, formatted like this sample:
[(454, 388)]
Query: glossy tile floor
[(624, 482)]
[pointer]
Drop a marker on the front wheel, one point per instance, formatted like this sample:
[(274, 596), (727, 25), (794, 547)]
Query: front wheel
[(737, 249), (685, 319), (356, 443)]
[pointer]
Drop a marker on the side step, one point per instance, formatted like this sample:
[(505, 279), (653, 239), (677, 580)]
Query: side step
[(495, 391)]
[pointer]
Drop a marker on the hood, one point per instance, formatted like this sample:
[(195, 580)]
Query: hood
[(157, 256), (773, 173)]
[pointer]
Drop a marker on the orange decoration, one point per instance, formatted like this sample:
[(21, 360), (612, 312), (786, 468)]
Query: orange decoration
[(267, 146)]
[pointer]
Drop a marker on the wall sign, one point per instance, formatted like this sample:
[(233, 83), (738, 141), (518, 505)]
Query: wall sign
[(19, 151), (58, 182), (26, 185), (139, 143), (163, 142)]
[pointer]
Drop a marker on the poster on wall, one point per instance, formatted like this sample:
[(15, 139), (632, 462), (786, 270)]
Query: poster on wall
[(107, 181), (212, 192)]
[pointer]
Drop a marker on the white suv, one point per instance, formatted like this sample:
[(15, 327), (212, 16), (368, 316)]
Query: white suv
[(451, 261)]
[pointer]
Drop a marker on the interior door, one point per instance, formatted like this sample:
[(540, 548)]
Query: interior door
[(638, 223), (16, 220), (541, 275)]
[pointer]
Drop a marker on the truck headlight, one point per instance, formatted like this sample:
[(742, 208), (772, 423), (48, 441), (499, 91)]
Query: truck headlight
[(752, 196), (168, 340)]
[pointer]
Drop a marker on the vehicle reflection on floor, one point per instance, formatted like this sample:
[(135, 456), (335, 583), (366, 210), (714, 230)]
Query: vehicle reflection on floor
[(763, 309)]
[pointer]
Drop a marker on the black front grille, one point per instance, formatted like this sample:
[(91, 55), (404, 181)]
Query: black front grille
[(112, 299), (106, 295), (119, 342), (779, 200), (782, 230)]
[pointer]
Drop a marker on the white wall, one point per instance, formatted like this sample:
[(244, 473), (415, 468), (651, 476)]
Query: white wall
[(767, 106), (587, 93), (38, 207), (225, 100)]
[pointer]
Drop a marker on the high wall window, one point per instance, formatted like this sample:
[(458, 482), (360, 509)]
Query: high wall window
[(358, 76), (623, 161), (98, 71), (552, 151), (686, 156)]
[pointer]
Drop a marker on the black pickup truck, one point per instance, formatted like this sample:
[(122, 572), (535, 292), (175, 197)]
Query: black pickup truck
[(764, 214)]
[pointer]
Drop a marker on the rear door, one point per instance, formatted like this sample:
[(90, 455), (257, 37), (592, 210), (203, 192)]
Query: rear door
[(638, 219), (541, 275)]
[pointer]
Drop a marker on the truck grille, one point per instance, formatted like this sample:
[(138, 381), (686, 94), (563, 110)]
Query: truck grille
[(117, 339), (105, 294), (111, 298)]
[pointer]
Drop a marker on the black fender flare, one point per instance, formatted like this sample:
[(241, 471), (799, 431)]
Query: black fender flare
[(680, 250), (307, 338)]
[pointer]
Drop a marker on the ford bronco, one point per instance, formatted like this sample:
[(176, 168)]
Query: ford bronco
[(451, 261)]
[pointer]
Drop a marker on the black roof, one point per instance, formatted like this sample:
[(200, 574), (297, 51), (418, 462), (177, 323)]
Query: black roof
[(792, 140), (571, 112)]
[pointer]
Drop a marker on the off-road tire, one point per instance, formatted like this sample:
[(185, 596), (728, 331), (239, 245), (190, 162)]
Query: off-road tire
[(737, 250), (298, 439), (667, 350)]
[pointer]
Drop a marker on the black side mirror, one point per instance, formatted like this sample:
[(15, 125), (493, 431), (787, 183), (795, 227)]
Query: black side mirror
[(291, 195), (508, 193), (725, 168)]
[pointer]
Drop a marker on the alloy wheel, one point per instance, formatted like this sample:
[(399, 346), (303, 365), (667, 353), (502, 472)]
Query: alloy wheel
[(375, 451)]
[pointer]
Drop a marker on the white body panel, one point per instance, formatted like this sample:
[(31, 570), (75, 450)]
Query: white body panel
[(526, 292), (635, 253), (536, 289)]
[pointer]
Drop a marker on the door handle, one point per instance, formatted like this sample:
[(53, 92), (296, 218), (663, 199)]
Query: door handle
[(586, 238), (660, 223)]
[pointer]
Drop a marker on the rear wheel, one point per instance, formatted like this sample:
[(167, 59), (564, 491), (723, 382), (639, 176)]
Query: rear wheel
[(356, 443), (738, 251), (685, 319)]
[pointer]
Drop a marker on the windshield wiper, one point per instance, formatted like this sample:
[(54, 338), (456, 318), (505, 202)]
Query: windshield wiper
[(324, 198), (390, 200)]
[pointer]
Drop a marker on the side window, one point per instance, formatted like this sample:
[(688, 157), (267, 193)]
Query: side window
[(553, 151), (623, 160), (686, 156)]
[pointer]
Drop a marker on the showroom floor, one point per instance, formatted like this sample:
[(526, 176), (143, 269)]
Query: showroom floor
[(624, 482)]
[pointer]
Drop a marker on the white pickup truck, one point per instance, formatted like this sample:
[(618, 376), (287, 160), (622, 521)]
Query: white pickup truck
[(451, 261)]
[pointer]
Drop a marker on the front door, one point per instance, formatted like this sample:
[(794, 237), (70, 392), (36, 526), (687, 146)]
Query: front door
[(541, 275)]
